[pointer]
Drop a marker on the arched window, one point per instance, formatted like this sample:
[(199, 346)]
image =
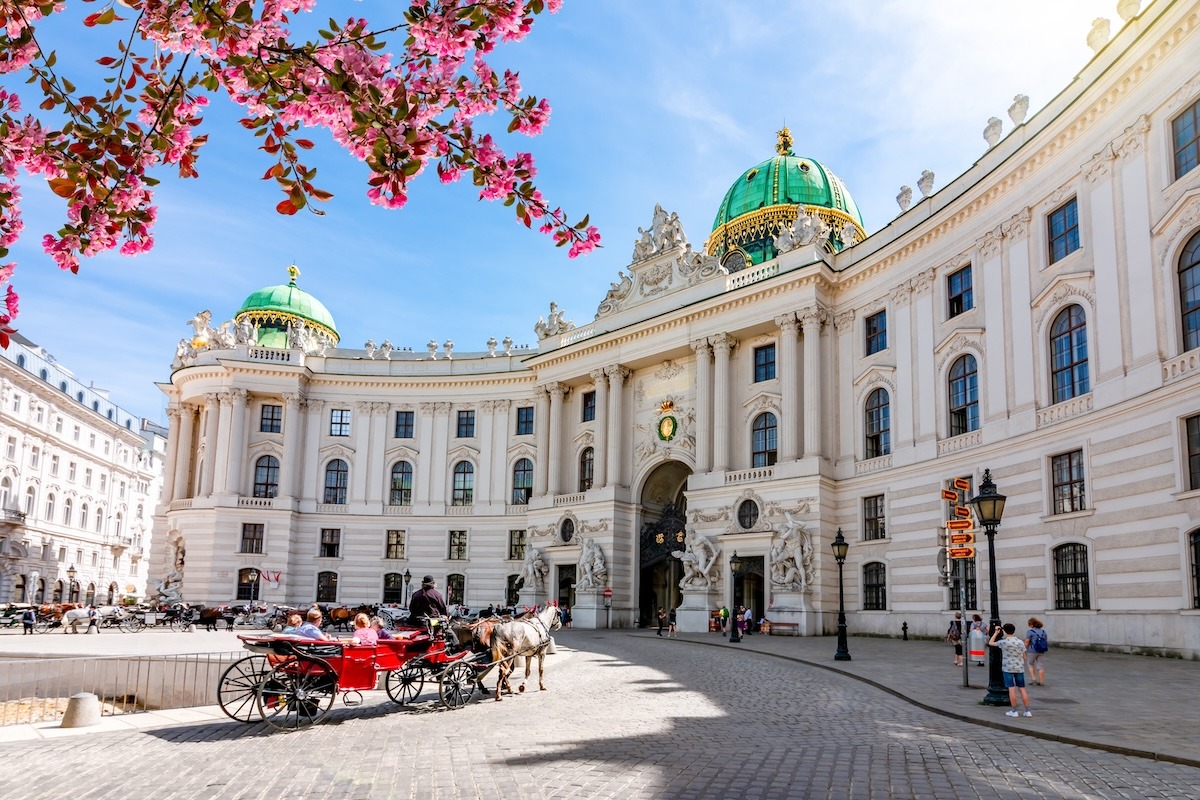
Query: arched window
[(393, 588), (99, 519), (18, 595), (21, 361), (522, 483), (877, 422), (1071, 588), (58, 592), (964, 396), (1189, 293), (455, 589), (337, 477), (1194, 547), (45, 374), (83, 516), (90, 597), (587, 468), (118, 521), (327, 587), (400, 493), (874, 586), (247, 584), (95, 405), (5, 491), (79, 396), (1069, 355), (30, 501), (266, 476), (50, 508), (68, 511), (464, 484), (764, 440)]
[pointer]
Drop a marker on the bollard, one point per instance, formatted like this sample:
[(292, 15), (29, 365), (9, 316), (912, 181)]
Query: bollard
[(83, 709), (550, 647), (904, 630)]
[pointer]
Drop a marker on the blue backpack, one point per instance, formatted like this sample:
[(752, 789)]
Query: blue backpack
[(1038, 641)]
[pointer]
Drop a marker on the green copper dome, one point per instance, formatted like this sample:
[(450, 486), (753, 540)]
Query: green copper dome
[(274, 308), (767, 198)]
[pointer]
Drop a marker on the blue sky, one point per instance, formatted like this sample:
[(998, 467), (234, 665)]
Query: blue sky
[(655, 101)]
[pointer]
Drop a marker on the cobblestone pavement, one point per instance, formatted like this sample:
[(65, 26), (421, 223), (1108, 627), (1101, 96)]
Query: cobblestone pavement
[(624, 716)]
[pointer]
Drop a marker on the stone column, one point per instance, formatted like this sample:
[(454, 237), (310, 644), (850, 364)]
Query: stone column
[(423, 479), (617, 376), (220, 471), (289, 464), (704, 412), (312, 450), (722, 347), (170, 468), (210, 444), (554, 483), (541, 423), (787, 366), (237, 442), (811, 319), (183, 452), (600, 472), (376, 445)]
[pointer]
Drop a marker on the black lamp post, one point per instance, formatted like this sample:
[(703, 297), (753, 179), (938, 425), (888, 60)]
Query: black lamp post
[(72, 573), (407, 581), (252, 576), (840, 548), (735, 567), (989, 508)]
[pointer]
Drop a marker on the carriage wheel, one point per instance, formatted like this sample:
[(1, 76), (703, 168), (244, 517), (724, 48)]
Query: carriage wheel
[(179, 624), (457, 684), (404, 684), (41, 626), (130, 625), (297, 694), (238, 685)]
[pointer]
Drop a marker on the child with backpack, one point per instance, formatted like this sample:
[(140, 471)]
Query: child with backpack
[(1036, 646)]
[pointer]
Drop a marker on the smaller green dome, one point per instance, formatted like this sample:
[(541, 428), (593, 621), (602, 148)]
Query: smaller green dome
[(274, 308)]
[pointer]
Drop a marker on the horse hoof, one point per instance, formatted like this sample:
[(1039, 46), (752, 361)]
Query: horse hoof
[(521, 688)]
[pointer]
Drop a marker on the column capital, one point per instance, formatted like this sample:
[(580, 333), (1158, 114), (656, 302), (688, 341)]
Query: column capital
[(487, 405), (814, 316), (598, 376), (210, 400), (700, 347), (844, 321), (291, 399), (174, 412), (786, 324), (441, 409), (363, 407), (239, 395), (723, 343), (617, 374), (501, 406), (315, 405), (380, 408), (556, 390)]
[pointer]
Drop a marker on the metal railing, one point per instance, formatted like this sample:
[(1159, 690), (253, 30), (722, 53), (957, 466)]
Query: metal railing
[(37, 689)]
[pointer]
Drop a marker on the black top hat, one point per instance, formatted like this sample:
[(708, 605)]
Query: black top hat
[(428, 581)]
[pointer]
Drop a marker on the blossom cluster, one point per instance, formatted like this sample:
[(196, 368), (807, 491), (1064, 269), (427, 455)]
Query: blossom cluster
[(396, 113)]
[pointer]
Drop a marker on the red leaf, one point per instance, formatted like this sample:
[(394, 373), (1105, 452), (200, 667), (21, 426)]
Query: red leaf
[(62, 187), (286, 207), (91, 19)]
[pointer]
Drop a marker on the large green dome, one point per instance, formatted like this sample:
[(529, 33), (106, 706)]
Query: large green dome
[(274, 308), (767, 197)]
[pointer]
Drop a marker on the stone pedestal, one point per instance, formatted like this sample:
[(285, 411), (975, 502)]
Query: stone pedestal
[(792, 608), (695, 609), (589, 611), (529, 597)]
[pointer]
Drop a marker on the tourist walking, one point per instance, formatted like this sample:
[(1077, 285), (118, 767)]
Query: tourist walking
[(1012, 653), (748, 616), (671, 632), (954, 635), (662, 619), (1037, 643), (724, 618), (28, 617)]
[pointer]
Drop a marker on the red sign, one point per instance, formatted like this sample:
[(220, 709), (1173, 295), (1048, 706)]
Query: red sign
[(962, 483), (949, 494), (962, 538), (960, 552), (607, 592), (959, 524)]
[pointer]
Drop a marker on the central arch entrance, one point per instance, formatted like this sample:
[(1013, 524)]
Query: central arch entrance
[(664, 517)]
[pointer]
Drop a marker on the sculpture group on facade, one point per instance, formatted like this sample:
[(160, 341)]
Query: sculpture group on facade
[(593, 573), (791, 558), (534, 570), (666, 233), (699, 556), (553, 325), (170, 589), (806, 230)]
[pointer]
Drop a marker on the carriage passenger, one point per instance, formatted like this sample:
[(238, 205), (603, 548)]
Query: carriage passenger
[(311, 628), (363, 632), (294, 621), (381, 633)]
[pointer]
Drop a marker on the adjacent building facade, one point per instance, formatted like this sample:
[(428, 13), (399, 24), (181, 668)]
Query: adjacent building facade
[(79, 481), (1039, 317)]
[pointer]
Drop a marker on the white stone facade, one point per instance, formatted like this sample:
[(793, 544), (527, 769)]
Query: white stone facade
[(79, 481), (1099, 538)]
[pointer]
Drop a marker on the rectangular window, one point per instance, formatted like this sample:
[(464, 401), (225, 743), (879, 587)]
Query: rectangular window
[(589, 406), (76, 433), (35, 456), (103, 482), (466, 425), (394, 545), (106, 445), (53, 464), (252, 538), (11, 448), (271, 420), (339, 422), (958, 291), (72, 467), (1193, 451), (121, 491), (1063, 230), (58, 422), (516, 545), (41, 414), (16, 403), (873, 524), (1066, 472), (87, 478), (1185, 138), (764, 363), (874, 587), (525, 421), (404, 424), (458, 546), (967, 564), (92, 441), (331, 542), (876, 331), (1072, 589)]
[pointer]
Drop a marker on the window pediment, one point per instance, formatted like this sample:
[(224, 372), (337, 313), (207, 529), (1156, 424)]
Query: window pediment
[(400, 453), (873, 377), (1063, 288), (336, 451), (959, 341), (463, 453)]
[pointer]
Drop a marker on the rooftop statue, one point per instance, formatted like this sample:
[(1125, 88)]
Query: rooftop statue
[(925, 184), (904, 199), (991, 134), (1019, 108), (370, 348), (554, 325), (385, 350)]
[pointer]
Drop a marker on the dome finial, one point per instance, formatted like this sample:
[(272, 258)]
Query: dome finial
[(783, 144), (293, 273)]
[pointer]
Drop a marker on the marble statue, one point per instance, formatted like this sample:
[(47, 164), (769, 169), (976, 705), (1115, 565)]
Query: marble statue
[(385, 350), (491, 346), (534, 570), (904, 199), (553, 325), (991, 134), (246, 332), (507, 341), (849, 234), (593, 573), (199, 324), (618, 292), (791, 558), (370, 348), (1099, 34), (432, 348), (297, 335), (1019, 108), (786, 241), (448, 346), (183, 352), (698, 557), (925, 184), (170, 589), (643, 246), (1128, 9)]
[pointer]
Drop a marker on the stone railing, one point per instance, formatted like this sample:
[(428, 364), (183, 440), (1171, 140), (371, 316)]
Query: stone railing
[(1064, 410), (255, 502), (577, 335), (270, 354), (960, 442), (397, 511), (569, 499), (333, 508), (181, 505), (516, 511), (749, 475), (873, 465), (1181, 366), (749, 276)]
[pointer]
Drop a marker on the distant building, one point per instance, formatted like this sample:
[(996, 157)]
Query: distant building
[(79, 480), (1038, 316)]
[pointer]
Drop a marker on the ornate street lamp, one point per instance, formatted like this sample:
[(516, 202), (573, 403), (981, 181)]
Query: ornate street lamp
[(407, 581), (735, 567), (989, 508), (840, 548), (252, 576), (72, 573)]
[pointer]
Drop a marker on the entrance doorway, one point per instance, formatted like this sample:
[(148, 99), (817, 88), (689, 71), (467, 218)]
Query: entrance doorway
[(749, 587), (664, 520), (566, 586)]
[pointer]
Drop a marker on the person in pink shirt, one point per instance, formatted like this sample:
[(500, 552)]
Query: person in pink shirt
[(363, 632)]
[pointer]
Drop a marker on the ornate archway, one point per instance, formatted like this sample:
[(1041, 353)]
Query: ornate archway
[(664, 512)]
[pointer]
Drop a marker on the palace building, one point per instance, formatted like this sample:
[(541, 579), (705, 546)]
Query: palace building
[(788, 378)]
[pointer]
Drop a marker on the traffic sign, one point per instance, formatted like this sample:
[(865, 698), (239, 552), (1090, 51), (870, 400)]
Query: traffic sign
[(960, 552), (949, 494), (959, 524), (963, 538), (962, 512), (962, 483), (607, 592)]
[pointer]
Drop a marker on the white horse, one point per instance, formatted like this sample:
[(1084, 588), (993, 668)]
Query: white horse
[(72, 618), (527, 637)]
